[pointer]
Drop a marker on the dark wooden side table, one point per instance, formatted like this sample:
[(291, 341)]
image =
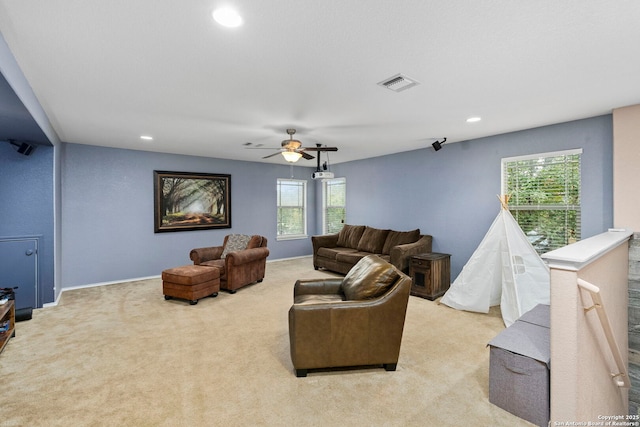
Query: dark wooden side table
[(8, 317), (431, 274)]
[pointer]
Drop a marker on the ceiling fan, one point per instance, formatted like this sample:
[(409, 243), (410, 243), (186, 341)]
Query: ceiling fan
[(292, 149)]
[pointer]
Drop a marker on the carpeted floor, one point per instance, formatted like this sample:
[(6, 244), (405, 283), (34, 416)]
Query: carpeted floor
[(120, 355)]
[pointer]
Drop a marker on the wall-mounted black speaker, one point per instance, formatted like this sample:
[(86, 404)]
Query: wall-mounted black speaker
[(23, 147)]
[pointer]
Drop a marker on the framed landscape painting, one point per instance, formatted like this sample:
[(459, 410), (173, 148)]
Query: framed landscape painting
[(191, 201)]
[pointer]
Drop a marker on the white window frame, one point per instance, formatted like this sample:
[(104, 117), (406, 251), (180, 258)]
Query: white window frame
[(304, 235), (325, 183), (506, 160)]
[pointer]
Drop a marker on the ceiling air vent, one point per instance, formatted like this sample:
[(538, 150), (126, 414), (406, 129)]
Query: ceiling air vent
[(398, 83)]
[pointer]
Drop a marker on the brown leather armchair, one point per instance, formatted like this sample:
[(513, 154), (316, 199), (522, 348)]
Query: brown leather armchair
[(353, 321), (239, 268)]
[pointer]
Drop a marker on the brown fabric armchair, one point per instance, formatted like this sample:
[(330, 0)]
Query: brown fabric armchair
[(238, 268), (353, 321)]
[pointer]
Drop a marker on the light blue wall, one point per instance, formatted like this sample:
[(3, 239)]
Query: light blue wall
[(26, 206), (107, 212), (107, 198), (451, 194)]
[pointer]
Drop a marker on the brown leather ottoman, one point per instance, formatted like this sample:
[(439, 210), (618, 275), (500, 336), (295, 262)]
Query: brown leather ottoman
[(190, 282)]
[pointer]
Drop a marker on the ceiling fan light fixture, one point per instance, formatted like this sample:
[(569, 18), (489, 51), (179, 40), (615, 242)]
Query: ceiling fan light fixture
[(291, 144), (291, 156)]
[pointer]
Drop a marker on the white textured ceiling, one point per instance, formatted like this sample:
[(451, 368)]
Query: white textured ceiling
[(106, 72)]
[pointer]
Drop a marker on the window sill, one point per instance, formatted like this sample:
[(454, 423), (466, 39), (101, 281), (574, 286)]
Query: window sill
[(296, 237)]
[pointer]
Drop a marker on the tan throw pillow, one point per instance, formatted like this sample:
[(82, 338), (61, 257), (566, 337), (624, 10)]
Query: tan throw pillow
[(395, 238), (372, 240), (235, 242), (350, 235), (370, 278)]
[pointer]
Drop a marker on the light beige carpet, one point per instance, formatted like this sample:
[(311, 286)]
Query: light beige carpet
[(120, 355)]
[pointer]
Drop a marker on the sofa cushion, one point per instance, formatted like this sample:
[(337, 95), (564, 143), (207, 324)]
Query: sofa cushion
[(386, 258), (395, 238), (372, 240), (235, 242), (350, 235), (333, 253), (351, 257), (218, 263), (370, 278)]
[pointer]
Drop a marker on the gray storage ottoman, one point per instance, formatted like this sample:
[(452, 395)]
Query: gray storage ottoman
[(519, 367)]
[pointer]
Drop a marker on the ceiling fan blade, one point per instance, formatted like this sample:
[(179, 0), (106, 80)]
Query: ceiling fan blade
[(271, 155), (306, 155), (320, 149)]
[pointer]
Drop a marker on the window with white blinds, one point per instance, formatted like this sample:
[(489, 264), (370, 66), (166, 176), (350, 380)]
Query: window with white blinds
[(334, 203), (544, 191), (292, 212)]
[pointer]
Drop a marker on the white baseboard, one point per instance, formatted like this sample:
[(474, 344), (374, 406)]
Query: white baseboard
[(93, 285), (286, 259)]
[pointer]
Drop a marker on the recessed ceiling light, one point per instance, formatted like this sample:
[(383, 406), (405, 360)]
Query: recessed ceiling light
[(473, 119), (147, 137), (227, 17)]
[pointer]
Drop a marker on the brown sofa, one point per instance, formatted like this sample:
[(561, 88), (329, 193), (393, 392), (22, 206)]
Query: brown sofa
[(341, 251), (353, 321), (238, 268)]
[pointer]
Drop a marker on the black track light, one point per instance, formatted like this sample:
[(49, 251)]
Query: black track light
[(438, 144), (22, 147)]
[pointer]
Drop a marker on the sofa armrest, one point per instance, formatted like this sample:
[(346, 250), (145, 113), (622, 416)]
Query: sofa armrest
[(200, 255), (246, 256), (400, 254), (324, 241), (317, 287)]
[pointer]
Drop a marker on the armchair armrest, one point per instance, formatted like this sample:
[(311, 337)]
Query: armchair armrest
[(399, 255), (200, 255), (317, 287), (246, 255)]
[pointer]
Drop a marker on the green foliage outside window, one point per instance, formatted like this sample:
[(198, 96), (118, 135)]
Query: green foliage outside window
[(290, 221), (545, 198), (291, 215), (335, 201), (335, 220)]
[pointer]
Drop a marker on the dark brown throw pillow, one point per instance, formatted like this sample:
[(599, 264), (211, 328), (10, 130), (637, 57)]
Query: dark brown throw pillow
[(255, 242), (372, 240), (370, 278), (395, 238), (350, 235)]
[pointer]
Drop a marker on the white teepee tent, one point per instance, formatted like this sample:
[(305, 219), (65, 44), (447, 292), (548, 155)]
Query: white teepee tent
[(505, 269)]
